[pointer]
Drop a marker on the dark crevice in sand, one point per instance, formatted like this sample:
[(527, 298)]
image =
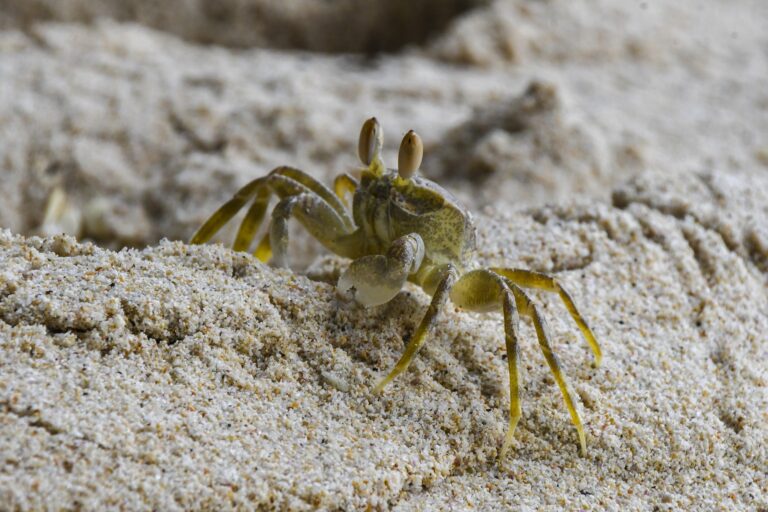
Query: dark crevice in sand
[(708, 252), (702, 255), (349, 26), (707, 181), (698, 248), (757, 250), (743, 249), (33, 417), (574, 264), (662, 239), (732, 420), (38, 39), (592, 217)]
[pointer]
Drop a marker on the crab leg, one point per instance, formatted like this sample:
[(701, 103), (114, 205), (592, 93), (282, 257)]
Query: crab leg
[(228, 210), (531, 279), (252, 220), (420, 336), (318, 188), (482, 290), (525, 305), (344, 184), (320, 220), (511, 330), (285, 182), (263, 250)]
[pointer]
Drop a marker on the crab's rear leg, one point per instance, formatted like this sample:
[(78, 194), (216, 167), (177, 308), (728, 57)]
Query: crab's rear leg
[(255, 214), (447, 276), (525, 305), (263, 250), (252, 220), (228, 210), (285, 182), (319, 189), (531, 279), (511, 337), (319, 219), (483, 290)]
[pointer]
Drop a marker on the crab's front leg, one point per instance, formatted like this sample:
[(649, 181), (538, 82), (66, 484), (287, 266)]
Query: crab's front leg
[(445, 276)]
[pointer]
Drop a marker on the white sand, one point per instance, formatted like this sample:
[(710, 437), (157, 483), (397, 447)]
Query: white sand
[(194, 377), (180, 377)]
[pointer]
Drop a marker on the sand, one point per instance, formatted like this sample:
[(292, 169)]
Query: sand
[(621, 148), (194, 377)]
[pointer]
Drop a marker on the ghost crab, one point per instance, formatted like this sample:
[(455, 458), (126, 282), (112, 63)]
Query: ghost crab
[(402, 227)]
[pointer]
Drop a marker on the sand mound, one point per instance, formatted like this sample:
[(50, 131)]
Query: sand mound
[(179, 377)]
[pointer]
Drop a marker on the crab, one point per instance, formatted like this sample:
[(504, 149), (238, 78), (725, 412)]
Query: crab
[(401, 227)]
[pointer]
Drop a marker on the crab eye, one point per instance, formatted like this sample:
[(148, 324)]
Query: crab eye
[(411, 153), (371, 141)]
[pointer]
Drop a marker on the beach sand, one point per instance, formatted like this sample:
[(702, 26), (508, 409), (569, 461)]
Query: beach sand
[(629, 160)]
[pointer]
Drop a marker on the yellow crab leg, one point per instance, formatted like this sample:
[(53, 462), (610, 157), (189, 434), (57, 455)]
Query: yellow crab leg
[(283, 181), (531, 279), (511, 324), (283, 186), (227, 211), (264, 250), (482, 290), (252, 221), (317, 217), (318, 188), (344, 184), (525, 305), (420, 336)]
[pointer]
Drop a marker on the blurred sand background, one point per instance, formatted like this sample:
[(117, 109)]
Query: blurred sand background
[(621, 145)]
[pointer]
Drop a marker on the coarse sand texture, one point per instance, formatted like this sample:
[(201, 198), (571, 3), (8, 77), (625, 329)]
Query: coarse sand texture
[(619, 146), (194, 377)]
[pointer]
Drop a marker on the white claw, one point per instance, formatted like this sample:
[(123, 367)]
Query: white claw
[(372, 280)]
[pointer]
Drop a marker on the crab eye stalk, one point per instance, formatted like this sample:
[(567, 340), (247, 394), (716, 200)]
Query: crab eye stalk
[(411, 153), (371, 141)]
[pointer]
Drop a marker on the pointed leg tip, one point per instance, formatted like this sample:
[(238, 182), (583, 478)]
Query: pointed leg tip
[(583, 443), (505, 449), (379, 388), (510, 436)]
